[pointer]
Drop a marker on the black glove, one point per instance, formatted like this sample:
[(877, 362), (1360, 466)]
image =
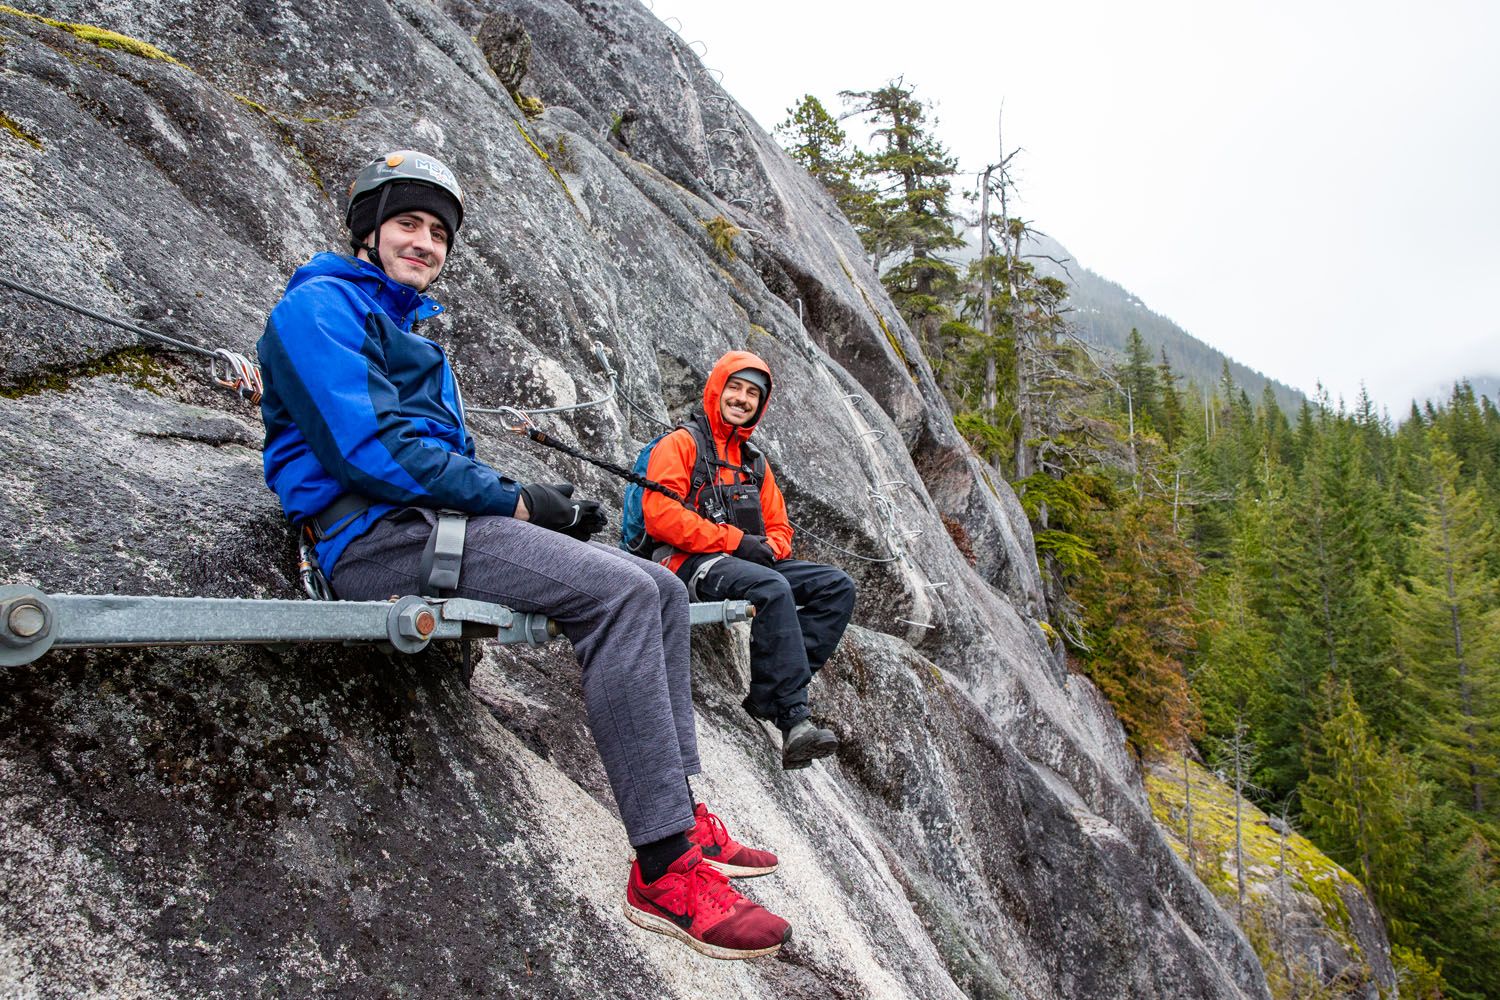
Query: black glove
[(552, 506), (756, 549)]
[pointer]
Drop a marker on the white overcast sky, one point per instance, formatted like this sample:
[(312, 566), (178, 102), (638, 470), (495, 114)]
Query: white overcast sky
[(1313, 188)]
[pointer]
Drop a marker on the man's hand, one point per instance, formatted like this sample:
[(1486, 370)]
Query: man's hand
[(755, 548), (552, 506)]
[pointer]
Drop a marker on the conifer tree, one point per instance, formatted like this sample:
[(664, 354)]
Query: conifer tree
[(1454, 914), (1235, 648), (910, 220), (1305, 432), (1446, 618), (1173, 414), (1356, 799), (1430, 868), (1333, 577), (1471, 435), (1140, 619), (1138, 378), (814, 139), (1276, 433)]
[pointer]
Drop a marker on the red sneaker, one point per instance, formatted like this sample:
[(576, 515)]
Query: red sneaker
[(695, 904), (724, 852)]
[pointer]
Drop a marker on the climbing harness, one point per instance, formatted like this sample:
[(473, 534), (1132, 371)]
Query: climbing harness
[(240, 374), (438, 570), (444, 554)]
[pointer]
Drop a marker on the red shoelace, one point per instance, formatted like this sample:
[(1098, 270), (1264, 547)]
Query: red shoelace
[(716, 829), (704, 883)]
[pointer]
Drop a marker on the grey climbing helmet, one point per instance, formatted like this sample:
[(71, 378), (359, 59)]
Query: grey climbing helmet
[(403, 181)]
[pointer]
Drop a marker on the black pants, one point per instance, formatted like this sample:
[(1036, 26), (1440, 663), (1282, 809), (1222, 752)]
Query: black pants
[(787, 646)]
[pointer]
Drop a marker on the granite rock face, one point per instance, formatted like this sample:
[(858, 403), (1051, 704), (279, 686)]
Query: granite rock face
[(330, 821)]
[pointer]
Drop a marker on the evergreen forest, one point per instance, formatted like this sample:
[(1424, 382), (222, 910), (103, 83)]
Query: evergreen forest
[(1309, 599)]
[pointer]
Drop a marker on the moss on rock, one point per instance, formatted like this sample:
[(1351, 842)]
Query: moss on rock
[(102, 37), (1313, 880), (136, 366), (722, 232), (531, 107), (10, 125), (546, 161)]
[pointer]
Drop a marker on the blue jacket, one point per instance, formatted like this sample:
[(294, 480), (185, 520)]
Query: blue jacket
[(356, 402)]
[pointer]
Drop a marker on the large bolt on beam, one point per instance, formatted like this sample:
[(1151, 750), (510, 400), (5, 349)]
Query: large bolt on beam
[(26, 620)]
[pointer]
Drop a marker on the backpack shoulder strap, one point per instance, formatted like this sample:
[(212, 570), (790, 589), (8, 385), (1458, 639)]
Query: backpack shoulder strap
[(703, 447), (755, 462)]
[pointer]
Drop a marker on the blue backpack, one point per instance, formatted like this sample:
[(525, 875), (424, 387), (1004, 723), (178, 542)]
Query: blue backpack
[(633, 536)]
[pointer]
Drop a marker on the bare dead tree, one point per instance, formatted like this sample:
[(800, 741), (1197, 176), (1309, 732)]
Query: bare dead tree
[(1187, 786), (1237, 753), (1283, 830)]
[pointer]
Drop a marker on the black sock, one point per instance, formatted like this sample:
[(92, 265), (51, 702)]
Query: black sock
[(658, 855)]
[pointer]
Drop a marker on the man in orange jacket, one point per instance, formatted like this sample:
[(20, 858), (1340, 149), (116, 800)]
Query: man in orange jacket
[(732, 540)]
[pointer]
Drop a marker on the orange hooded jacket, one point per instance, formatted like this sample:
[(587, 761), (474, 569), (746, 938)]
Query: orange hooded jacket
[(671, 464)]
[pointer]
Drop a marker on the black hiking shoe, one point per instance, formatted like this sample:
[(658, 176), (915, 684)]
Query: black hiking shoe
[(805, 743)]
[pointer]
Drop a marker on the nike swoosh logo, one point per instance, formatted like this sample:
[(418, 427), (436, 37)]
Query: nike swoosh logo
[(680, 919)]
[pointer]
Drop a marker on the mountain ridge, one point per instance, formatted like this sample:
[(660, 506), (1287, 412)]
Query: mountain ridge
[(1103, 312)]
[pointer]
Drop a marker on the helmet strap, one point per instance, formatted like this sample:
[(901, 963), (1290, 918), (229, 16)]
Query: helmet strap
[(373, 247)]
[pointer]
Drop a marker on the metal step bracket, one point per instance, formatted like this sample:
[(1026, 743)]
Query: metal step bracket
[(32, 622), (720, 612)]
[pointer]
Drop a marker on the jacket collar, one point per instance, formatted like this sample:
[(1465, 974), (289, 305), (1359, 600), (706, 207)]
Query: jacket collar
[(402, 303)]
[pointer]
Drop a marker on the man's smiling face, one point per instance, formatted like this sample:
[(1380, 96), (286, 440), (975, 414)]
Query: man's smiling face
[(413, 246), (740, 402)]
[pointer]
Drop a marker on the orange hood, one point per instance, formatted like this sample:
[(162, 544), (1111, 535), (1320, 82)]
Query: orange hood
[(713, 389)]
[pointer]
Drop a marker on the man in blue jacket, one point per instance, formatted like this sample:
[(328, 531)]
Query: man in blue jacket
[(365, 443)]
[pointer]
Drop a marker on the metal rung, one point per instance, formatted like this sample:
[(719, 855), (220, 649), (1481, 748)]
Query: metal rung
[(720, 612), (31, 622)]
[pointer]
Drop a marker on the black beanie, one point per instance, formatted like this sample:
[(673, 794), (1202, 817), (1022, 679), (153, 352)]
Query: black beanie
[(402, 196)]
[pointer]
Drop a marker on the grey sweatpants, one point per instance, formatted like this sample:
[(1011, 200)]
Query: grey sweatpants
[(627, 619)]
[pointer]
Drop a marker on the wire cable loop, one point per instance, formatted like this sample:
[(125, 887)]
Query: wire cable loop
[(853, 555), (601, 354)]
